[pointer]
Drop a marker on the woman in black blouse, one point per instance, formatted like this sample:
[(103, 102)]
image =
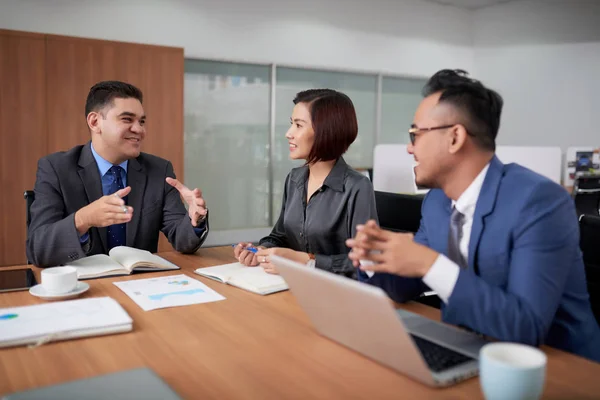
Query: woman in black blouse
[(323, 200)]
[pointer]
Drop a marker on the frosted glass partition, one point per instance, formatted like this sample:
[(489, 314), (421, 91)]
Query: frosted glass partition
[(226, 140), (362, 90), (399, 100)]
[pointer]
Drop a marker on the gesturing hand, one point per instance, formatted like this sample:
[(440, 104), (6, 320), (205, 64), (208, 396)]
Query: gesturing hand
[(196, 204), (106, 211)]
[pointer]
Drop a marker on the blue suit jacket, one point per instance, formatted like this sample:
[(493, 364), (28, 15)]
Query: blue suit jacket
[(525, 281)]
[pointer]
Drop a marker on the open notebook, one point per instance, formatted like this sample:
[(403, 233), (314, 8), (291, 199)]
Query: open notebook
[(62, 320), (121, 260), (253, 279)]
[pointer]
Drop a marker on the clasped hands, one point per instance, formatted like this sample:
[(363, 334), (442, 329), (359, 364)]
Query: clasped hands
[(111, 209), (390, 252)]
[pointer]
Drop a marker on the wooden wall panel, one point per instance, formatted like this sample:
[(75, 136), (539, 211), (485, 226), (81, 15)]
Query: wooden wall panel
[(77, 64), (22, 133)]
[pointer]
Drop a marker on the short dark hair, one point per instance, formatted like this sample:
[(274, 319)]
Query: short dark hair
[(333, 120), (481, 107), (103, 93)]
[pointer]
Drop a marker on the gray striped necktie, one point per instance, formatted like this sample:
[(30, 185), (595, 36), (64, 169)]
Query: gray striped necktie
[(457, 220)]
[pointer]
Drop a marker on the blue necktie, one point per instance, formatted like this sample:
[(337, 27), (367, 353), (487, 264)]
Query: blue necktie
[(457, 219), (116, 233)]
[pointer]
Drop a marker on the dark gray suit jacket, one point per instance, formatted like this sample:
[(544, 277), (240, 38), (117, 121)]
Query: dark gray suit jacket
[(68, 181)]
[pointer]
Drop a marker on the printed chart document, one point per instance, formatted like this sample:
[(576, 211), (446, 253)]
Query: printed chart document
[(252, 279), (42, 323), (168, 291)]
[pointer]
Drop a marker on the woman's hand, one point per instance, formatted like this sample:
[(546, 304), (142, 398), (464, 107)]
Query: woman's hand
[(244, 256), (263, 256)]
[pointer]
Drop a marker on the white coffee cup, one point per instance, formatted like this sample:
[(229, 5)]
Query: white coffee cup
[(511, 371), (58, 280)]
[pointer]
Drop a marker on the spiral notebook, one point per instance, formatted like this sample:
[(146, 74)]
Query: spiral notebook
[(42, 323)]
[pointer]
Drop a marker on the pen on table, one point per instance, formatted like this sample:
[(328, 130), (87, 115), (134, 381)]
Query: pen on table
[(251, 249)]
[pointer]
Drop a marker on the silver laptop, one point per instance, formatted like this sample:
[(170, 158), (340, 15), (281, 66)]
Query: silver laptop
[(363, 318)]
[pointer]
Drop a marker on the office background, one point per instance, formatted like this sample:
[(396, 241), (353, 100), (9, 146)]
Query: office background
[(244, 61)]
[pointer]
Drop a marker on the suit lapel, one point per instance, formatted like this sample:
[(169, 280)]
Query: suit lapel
[(90, 176), (485, 206), (136, 178)]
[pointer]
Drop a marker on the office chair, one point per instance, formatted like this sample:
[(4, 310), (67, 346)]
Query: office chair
[(29, 196), (587, 203), (402, 213), (589, 241), (586, 194), (399, 212)]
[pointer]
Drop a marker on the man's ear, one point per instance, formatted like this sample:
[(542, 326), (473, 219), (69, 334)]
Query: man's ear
[(93, 122), (458, 138)]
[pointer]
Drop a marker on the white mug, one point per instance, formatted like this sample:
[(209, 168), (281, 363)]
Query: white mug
[(511, 371), (58, 280)]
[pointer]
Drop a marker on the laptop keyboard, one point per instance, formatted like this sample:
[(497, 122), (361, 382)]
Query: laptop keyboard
[(437, 357)]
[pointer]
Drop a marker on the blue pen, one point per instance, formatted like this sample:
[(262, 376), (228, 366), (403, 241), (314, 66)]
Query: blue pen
[(251, 249)]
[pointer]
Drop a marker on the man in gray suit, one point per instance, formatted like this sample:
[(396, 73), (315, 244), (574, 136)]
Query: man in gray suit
[(108, 193)]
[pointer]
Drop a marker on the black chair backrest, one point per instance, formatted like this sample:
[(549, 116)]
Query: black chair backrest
[(29, 196), (587, 203), (402, 213), (399, 212), (589, 241)]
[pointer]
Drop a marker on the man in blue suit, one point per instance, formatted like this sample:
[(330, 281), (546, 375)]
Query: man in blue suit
[(498, 243)]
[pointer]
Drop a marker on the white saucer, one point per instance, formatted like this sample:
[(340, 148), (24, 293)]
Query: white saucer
[(39, 291)]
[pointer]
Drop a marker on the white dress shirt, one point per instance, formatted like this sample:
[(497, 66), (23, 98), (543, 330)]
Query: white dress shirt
[(443, 274)]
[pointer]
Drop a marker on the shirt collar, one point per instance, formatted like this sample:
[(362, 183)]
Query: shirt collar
[(103, 165), (335, 179), (468, 200)]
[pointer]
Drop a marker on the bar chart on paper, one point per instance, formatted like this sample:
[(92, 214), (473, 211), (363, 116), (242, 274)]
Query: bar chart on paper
[(168, 291)]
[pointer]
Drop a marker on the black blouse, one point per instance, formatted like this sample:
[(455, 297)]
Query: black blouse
[(322, 225)]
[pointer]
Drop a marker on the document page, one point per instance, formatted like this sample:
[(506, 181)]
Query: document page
[(168, 291)]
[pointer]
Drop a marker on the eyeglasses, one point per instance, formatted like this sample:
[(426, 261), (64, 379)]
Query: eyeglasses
[(412, 132)]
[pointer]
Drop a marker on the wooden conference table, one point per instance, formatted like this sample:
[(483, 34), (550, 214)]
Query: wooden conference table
[(245, 347)]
